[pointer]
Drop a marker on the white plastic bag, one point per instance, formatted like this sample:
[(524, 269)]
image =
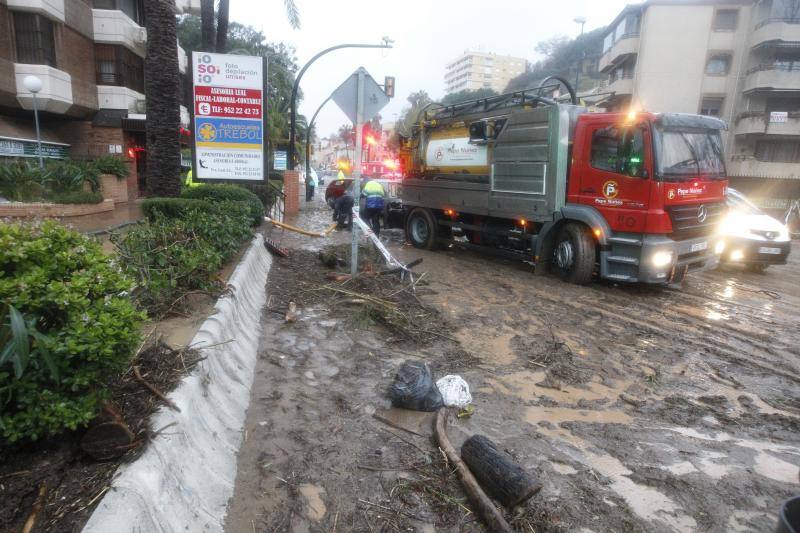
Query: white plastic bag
[(455, 391)]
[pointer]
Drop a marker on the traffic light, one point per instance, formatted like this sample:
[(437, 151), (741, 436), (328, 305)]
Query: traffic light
[(388, 86)]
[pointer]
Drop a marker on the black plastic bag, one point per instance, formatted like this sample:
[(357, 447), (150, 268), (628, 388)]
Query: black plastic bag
[(413, 388)]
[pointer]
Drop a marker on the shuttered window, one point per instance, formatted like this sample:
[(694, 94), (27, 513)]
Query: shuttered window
[(34, 39)]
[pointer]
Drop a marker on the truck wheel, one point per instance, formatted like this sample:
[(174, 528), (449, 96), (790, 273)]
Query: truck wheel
[(574, 254), (421, 228)]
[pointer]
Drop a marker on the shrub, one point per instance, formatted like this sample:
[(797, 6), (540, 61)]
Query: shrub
[(69, 176), (154, 208), (267, 193), (169, 257), (82, 329), (110, 164), (229, 193), (74, 197), (20, 181)]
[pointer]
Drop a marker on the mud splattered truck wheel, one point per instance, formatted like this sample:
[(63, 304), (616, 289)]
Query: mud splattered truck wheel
[(574, 254), (626, 197)]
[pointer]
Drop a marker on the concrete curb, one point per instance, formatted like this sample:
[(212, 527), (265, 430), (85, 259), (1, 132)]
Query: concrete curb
[(185, 477)]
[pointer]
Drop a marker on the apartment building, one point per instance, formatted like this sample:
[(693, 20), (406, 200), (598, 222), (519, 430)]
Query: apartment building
[(89, 55), (737, 60), (478, 70)]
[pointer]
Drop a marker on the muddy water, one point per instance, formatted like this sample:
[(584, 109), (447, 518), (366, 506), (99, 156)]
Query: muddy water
[(640, 409)]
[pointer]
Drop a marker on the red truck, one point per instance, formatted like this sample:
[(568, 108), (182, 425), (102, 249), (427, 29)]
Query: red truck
[(632, 197)]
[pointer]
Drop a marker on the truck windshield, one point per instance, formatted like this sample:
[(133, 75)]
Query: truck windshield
[(689, 153)]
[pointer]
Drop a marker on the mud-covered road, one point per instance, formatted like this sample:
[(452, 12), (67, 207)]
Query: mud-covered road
[(639, 409)]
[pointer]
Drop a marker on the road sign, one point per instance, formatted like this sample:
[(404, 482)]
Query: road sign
[(279, 160), (228, 117), (346, 97)]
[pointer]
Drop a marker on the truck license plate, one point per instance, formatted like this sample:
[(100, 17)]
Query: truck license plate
[(765, 250), (700, 246)]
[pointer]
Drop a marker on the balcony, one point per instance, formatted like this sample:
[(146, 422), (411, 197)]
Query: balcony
[(56, 93), (750, 167), (626, 46), (621, 86), (113, 97), (53, 9), (773, 77), (187, 7), (115, 27), (182, 60), (775, 31), (760, 124)]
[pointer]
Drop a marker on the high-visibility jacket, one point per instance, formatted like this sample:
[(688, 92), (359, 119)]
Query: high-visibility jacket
[(375, 195), (340, 176), (189, 182)]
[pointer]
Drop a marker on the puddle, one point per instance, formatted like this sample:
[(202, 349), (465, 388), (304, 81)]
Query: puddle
[(556, 415), (764, 464), (315, 507), (523, 385)]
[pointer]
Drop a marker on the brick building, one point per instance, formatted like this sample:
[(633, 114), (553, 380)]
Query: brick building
[(89, 55)]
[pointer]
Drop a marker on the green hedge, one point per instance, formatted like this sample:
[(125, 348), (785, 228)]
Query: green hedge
[(74, 197), (169, 257), (153, 208), (111, 164), (79, 328), (228, 193)]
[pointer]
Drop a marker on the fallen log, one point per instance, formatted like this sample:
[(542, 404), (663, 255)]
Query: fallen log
[(503, 479), (490, 514)]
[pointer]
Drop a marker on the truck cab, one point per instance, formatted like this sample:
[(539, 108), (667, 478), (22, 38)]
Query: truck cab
[(659, 183)]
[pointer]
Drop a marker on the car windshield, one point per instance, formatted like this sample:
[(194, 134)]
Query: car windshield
[(690, 153), (738, 203)]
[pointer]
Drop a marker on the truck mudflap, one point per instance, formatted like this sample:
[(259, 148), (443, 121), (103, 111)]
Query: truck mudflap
[(657, 259)]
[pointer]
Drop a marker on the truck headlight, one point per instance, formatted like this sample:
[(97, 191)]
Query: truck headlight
[(662, 258), (719, 248)]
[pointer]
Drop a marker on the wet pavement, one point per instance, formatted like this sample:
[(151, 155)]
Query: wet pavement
[(640, 409)]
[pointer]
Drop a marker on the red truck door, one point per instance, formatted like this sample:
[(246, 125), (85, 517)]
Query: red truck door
[(615, 162)]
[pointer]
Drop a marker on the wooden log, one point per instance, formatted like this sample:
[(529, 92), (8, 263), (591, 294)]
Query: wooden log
[(490, 514), (503, 479)]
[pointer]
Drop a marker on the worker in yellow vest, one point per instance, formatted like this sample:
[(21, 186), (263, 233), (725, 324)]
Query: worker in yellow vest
[(373, 205)]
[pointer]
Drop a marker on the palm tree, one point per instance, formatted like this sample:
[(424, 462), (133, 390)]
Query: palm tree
[(207, 25), (162, 92)]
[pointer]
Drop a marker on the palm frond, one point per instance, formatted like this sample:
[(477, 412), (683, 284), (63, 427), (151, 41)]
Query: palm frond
[(292, 13)]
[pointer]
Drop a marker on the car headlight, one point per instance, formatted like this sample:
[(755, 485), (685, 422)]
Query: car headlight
[(719, 247), (662, 258), (783, 234), (737, 255), (735, 224)]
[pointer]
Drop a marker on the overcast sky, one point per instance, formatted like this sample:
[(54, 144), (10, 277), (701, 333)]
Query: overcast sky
[(427, 34)]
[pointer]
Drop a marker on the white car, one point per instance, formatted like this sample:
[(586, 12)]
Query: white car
[(752, 238)]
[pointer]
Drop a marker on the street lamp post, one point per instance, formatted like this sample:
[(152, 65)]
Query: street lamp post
[(34, 85), (582, 22), (308, 138), (387, 43)]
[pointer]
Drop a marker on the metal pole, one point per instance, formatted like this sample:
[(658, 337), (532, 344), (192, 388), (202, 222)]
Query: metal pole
[(580, 63), (308, 134), (296, 87), (357, 171), (38, 135)]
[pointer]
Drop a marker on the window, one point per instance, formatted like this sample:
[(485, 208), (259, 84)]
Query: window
[(711, 106), (34, 38), (116, 65), (619, 150), (718, 64), (608, 42), (133, 8), (778, 151), (726, 19)]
